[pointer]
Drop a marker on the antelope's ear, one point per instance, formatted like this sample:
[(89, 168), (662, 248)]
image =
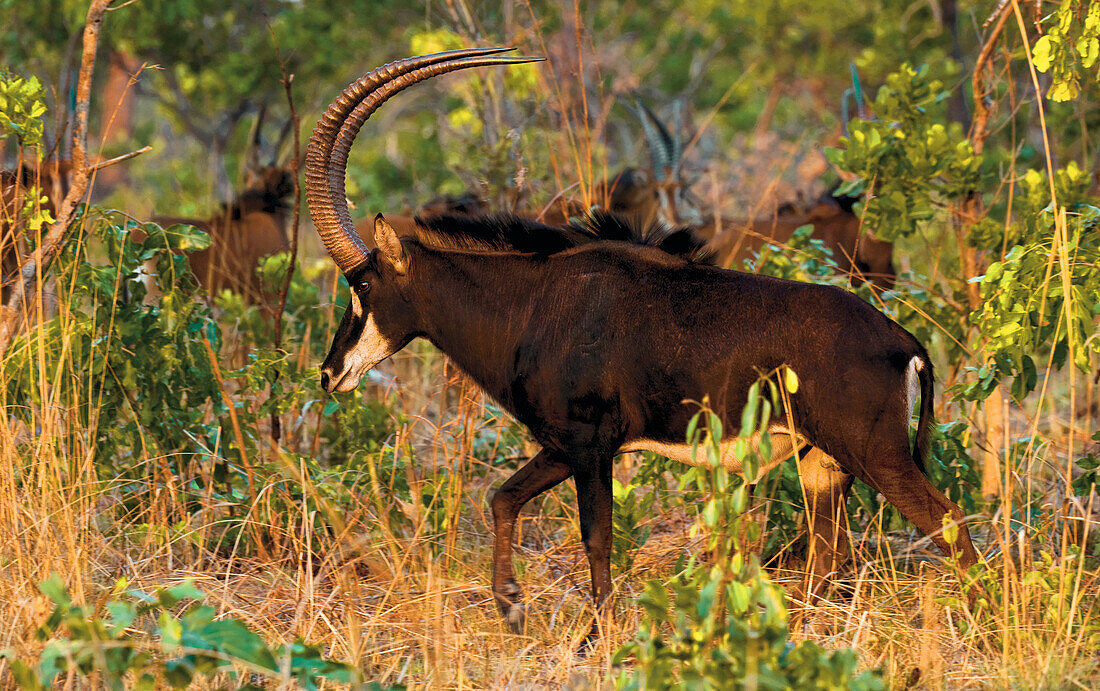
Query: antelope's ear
[(389, 244)]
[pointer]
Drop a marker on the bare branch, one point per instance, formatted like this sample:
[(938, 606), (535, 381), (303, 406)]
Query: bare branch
[(295, 125), (119, 159)]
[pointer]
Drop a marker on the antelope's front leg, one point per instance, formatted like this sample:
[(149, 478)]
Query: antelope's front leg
[(595, 503), (538, 475)]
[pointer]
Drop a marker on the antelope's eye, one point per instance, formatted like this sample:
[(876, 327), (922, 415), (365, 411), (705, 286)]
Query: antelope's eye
[(363, 287)]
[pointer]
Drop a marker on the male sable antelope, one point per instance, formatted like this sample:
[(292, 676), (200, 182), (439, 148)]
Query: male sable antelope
[(595, 344)]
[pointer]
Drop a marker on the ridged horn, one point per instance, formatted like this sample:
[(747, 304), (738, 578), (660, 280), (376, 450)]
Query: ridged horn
[(662, 149), (327, 154)]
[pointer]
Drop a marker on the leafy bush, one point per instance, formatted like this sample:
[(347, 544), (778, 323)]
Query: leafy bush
[(726, 625), (104, 643), (628, 532), (138, 375), (1070, 47)]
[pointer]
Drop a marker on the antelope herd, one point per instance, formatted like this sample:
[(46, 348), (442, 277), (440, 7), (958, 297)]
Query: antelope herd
[(593, 326)]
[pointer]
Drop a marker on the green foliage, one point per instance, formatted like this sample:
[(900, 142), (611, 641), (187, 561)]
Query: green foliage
[(1089, 480), (802, 258), (1054, 582), (628, 531), (951, 467), (907, 159), (22, 105), (139, 374), (1026, 308), (1070, 47), (131, 365), (726, 624), (105, 643), (754, 47)]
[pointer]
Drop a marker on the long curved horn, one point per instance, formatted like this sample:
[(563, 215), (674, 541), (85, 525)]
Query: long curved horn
[(662, 149), (327, 154)]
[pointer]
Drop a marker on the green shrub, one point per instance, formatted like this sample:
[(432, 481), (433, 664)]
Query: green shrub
[(106, 644), (726, 624)]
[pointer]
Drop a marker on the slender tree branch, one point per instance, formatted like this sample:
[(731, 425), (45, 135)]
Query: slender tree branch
[(119, 159), (966, 214), (295, 124), (47, 250), (979, 128)]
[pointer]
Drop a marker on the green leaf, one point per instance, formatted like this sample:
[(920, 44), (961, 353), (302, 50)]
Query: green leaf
[(54, 588), (122, 615), (1064, 90), (748, 413), (25, 676), (738, 597), (171, 632), (706, 598), (1088, 47)]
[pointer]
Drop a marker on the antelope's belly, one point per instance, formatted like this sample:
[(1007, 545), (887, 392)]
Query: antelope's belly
[(783, 445)]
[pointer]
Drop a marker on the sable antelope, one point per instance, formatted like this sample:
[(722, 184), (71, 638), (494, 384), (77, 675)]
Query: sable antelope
[(596, 344), (245, 230), (858, 254)]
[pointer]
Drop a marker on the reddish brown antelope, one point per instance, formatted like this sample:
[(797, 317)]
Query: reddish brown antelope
[(662, 195), (595, 344), (248, 228), (860, 255)]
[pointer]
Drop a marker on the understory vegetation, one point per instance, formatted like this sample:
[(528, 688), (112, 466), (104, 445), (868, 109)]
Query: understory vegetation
[(182, 505)]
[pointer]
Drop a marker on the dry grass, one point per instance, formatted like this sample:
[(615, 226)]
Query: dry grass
[(409, 603), (414, 608)]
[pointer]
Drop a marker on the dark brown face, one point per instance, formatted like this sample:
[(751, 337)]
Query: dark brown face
[(275, 183), (377, 323)]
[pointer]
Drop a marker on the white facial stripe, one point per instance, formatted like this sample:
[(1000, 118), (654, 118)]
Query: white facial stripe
[(371, 349), (356, 305)]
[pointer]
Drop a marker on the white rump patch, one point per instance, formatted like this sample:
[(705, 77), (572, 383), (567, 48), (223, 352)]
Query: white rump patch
[(912, 386)]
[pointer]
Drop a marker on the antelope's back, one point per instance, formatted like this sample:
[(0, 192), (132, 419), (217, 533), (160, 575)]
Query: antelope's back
[(664, 330)]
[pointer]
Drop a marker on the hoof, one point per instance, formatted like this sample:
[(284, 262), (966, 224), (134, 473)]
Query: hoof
[(588, 643), (516, 617), (508, 601)]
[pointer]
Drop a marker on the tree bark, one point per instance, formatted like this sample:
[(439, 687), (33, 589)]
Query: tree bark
[(973, 265), (34, 269)]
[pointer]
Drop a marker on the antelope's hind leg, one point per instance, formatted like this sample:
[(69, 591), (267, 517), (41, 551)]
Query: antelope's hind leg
[(825, 486), (538, 475), (892, 471)]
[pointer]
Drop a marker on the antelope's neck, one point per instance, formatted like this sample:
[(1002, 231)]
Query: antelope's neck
[(475, 308)]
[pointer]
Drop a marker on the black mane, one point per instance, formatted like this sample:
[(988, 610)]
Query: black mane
[(508, 233)]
